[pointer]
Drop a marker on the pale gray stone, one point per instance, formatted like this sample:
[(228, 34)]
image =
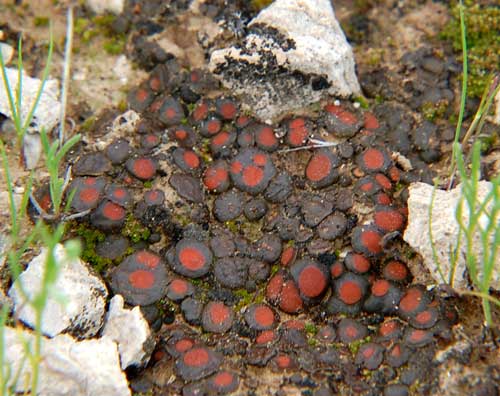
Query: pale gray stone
[(7, 52), (48, 110), (102, 6), (129, 329), (67, 366), (124, 124), (294, 53), (445, 231), (77, 300)]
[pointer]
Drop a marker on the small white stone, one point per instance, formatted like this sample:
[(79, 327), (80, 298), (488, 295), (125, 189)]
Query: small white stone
[(295, 54), (76, 302), (129, 329), (67, 367), (123, 125), (102, 6), (48, 110), (445, 230), (7, 52)]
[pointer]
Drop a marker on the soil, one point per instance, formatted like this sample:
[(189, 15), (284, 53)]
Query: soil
[(404, 69)]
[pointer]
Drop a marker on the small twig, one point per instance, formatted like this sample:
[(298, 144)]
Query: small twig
[(316, 144), (76, 215), (67, 178)]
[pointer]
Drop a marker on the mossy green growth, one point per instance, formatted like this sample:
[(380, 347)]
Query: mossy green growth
[(90, 238), (101, 25), (41, 21), (483, 42), (275, 268), (115, 45), (88, 124), (246, 298), (432, 111), (354, 346), (363, 102), (260, 4), (165, 306), (134, 230), (311, 328)]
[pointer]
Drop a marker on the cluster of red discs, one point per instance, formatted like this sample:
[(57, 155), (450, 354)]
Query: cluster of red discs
[(310, 255)]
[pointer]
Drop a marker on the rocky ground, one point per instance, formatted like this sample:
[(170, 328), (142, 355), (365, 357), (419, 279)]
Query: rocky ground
[(267, 258)]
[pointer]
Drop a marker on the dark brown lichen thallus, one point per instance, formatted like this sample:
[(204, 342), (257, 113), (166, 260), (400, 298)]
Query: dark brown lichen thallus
[(210, 126), (154, 197), (388, 218), (178, 289), (367, 240), (299, 130), (374, 160), (216, 177), (311, 277), (108, 216), (384, 297), (321, 170), (169, 110), (265, 137), (141, 278), (183, 135), (261, 317), (340, 121), (118, 151), (143, 168), (190, 258), (252, 170), (200, 111), (187, 160), (86, 192), (282, 291), (119, 195), (140, 98), (222, 143), (370, 355), (227, 108), (197, 362), (350, 291), (228, 205), (149, 141), (217, 317)]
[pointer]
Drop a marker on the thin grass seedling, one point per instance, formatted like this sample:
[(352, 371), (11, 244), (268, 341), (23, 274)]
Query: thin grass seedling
[(15, 103), (483, 220), (48, 235), (463, 96), (482, 214), (54, 154)]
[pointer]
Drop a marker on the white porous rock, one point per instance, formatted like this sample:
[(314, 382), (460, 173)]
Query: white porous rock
[(76, 302), (7, 52), (294, 54), (48, 110), (67, 366), (102, 6), (124, 124), (129, 329), (445, 230)]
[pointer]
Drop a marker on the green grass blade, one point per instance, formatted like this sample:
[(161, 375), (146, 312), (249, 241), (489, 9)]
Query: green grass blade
[(44, 78)]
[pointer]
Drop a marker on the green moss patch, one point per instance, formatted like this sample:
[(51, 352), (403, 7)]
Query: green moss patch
[(483, 42)]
